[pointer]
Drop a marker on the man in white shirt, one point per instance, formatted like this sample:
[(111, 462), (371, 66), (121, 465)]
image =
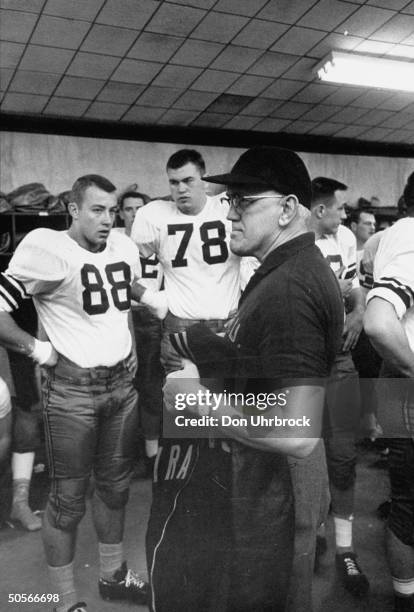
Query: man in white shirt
[(338, 245), (389, 322), (190, 236), (81, 281)]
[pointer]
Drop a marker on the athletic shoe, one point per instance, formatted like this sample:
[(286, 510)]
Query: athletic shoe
[(353, 579), (125, 585)]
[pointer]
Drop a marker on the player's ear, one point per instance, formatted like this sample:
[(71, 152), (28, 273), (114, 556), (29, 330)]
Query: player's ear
[(320, 211), (73, 210)]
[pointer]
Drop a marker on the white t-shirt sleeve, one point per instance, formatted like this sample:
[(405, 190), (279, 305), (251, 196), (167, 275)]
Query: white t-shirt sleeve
[(393, 271), (35, 268), (146, 232)]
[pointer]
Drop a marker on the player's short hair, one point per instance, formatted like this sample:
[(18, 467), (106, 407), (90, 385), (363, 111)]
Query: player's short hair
[(89, 180), (354, 215), (323, 189), (186, 156), (132, 194)]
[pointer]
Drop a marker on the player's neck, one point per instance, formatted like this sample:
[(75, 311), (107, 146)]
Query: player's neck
[(313, 226), (196, 206), (84, 243)]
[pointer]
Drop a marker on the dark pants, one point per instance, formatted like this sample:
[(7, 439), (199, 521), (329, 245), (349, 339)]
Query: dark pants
[(401, 463), (91, 419), (26, 430), (367, 363), (188, 536), (396, 415), (221, 530), (340, 428), (149, 377)]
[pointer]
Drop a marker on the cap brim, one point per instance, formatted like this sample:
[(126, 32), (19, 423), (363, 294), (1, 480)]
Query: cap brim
[(234, 179)]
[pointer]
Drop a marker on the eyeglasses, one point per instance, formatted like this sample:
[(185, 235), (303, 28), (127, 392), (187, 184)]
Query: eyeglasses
[(241, 203)]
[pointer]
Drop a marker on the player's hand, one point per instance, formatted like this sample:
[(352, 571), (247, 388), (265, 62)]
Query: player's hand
[(345, 285), (352, 329)]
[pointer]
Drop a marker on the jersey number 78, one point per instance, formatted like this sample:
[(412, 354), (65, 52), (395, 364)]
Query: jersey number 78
[(208, 241)]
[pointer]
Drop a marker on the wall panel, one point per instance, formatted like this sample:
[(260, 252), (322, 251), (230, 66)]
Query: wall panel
[(57, 161)]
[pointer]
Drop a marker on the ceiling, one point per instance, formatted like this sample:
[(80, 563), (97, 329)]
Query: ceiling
[(240, 65)]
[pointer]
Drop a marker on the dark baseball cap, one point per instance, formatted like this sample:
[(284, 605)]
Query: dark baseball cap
[(271, 168)]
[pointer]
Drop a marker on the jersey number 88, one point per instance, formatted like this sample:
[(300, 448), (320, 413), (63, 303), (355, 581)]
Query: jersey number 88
[(92, 281)]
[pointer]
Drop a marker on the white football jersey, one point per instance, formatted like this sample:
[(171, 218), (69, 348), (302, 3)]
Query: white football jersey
[(82, 298), (201, 274), (151, 271), (394, 272), (340, 251)]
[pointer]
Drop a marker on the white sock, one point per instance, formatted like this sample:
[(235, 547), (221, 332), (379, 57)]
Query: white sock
[(62, 583), (151, 448), (343, 532), (404, 587), (111, 557)]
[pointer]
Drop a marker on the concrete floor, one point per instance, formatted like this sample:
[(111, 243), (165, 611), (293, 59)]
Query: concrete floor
[(23, 568)]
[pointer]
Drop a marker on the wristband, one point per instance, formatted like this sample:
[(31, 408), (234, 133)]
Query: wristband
[(41, 351)]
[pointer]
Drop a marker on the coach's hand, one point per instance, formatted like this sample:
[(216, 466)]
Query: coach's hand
[(182, 382)]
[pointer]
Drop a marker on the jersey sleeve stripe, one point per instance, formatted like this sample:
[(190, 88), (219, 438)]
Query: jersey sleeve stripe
[(18, 284), (351, 271), (6, 305), (12, 291), (367, 281), (396, 282), (404, 293)]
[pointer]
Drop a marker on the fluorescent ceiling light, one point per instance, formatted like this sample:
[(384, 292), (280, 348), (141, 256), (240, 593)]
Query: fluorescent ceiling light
[(367, 71)]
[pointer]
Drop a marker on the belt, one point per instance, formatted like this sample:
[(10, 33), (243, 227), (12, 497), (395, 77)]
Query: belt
[(214, 324), (67, 368)]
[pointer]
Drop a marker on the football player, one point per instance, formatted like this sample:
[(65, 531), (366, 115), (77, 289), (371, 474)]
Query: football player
[(81, 281), (389, 322), (338, 245)]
